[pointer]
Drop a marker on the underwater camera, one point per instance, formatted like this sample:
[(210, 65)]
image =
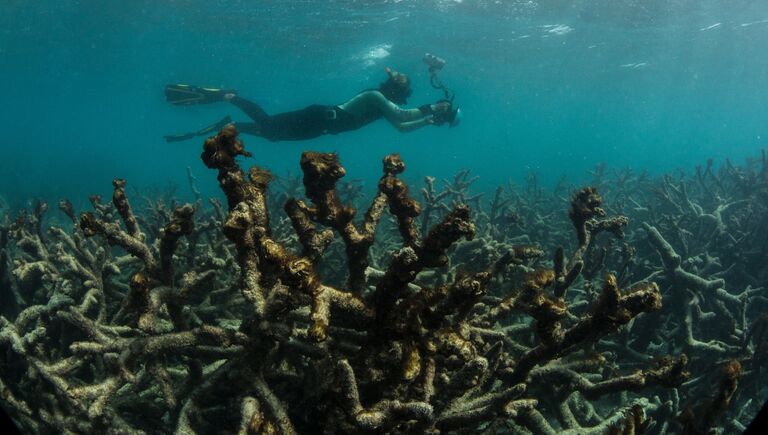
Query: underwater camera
[(452, 117)]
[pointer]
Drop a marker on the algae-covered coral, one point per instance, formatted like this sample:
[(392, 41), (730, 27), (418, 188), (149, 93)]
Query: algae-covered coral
[(534, 314)]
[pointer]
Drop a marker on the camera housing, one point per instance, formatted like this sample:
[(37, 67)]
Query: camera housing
[(434, 62)]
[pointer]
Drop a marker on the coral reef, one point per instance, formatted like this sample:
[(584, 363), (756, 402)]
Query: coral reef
[(273, 314)]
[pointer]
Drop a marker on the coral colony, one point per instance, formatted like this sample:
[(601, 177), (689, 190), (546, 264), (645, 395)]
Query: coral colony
[(535, 312)]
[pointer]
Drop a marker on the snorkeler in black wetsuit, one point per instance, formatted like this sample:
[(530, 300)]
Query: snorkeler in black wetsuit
[(317, 120)]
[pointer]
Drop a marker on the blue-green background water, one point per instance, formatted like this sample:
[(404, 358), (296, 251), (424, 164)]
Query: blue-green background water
[(549, 86)]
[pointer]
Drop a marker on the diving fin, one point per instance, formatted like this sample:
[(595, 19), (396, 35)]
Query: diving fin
[(187, 95), (178, 137), (213, 128)]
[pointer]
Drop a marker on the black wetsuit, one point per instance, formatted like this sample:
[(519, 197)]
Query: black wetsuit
[(310, 122)]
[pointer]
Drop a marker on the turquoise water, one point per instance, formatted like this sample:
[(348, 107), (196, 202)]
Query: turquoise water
[(553, 86)]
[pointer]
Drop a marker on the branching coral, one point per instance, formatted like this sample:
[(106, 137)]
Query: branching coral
[(160, 323)]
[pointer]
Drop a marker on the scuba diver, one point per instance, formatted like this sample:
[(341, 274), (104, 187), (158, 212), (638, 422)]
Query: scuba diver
[(316, 120)]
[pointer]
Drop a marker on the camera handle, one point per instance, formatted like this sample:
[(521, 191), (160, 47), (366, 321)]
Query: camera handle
[(436, 83)]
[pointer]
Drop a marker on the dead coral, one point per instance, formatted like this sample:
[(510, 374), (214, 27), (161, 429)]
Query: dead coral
[(198, 330)]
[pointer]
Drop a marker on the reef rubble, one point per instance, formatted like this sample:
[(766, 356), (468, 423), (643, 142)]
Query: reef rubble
[(535, 313)]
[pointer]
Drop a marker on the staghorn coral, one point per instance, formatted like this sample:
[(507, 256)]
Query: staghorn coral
[(182, 328)]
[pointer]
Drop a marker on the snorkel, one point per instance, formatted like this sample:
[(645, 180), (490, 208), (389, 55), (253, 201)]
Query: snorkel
[(435, 64)]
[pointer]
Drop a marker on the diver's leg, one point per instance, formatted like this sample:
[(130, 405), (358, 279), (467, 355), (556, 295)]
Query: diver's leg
[(301, 124), (253, 110), (248, 128)]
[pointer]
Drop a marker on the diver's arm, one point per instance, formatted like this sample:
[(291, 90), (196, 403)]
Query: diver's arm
[(362, 103), (409, 126), (395, 114)]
